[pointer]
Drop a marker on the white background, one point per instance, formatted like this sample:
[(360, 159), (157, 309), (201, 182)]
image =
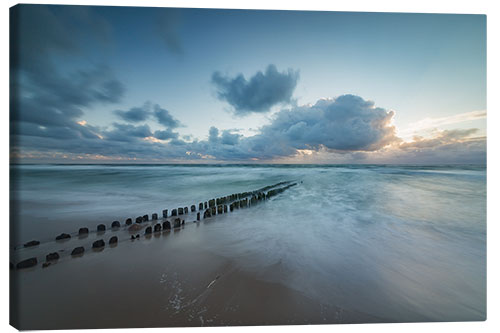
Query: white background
[(428, 6)]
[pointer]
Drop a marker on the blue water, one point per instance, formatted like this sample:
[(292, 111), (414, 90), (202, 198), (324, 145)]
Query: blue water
[(404, 243)]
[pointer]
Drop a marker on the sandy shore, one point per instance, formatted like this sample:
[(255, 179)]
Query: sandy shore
[(167, 279)]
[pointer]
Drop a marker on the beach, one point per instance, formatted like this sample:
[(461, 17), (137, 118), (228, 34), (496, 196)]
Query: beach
[(348, 244)]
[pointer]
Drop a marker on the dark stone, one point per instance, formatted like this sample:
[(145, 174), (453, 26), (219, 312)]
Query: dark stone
[(83, 231), (77, 251), (98, 244), (101, 227), (138, 219), (63, 236), (165, 213), (180, 210), (154, 216), (174, 212), (115, 224), (166, 225), (32, 243), (148, 230), (200, 206), (145, 217), (193, 208), (27, 263), (52, 256), (198, 216), (157, 227), (113, 240), (128, 221)]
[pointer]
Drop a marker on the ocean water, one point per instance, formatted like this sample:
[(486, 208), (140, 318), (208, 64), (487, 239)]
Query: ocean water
[(400, 243)]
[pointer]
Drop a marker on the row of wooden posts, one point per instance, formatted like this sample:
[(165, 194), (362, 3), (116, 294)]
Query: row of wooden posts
[(210, 208)]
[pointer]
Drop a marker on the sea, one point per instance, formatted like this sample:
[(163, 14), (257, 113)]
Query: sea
[(401, 243)]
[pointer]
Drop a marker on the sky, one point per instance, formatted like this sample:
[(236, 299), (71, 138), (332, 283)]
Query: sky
[(164, 85)]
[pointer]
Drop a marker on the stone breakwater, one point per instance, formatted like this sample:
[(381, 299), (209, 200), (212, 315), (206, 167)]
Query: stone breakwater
[(167, 222)]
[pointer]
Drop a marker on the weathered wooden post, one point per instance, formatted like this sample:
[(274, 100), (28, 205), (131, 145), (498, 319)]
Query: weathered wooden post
[(180, 210), (200, 206), (165, 213), (157, 227), (83, 231), (166, 225), (154, 216), (101, 228), (113, 240), (148, 230), (225, 208), (214, 210), (128, 221), (198, 216), (174, 212), (115, 224), (193, 208), (219, 209), (186, 210), (145, 217)]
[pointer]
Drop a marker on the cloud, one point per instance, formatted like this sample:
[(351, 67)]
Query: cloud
[(127, 132), (167, 25), (165, 118), (166, 135), (258, 94), (135, 114), (44, 102), (432, 123)]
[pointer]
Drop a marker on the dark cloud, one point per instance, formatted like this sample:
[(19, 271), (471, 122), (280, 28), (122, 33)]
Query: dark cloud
[(165, 135), (260, 93), (165, 118), (167, 25), (127, 132), (135, 114), (44, 102)]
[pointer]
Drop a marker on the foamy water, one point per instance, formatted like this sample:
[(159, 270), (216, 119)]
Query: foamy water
[(399, 243)]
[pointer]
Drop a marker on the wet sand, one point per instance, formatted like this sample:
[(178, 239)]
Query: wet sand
[(166, 279)]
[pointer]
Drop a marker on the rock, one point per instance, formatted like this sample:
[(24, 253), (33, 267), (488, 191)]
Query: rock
[(138, 219), (174, 212), (52, 256), (63, 236), (135, 227), (98, 244), (193, 208), (83, 231), (77, 251), (186, 210), (180, 210), (154, 216), (115, 224), (113, 240), (157, 227), (32, 243), (145, 217), (148, 230), (27, 263), (166, 225), (128, 221), (165, 213), (198, 216), (101, 228), (46, 264)]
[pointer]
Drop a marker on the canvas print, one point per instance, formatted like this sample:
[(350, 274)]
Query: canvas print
[(175, 167)]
